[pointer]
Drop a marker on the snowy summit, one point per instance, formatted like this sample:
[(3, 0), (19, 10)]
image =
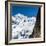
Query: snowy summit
[(22, 26)]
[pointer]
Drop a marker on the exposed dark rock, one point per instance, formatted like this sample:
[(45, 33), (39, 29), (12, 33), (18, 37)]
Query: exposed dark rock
[(37, 32)]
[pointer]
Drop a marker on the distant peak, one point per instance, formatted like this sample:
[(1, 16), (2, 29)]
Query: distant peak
[(19, 14)]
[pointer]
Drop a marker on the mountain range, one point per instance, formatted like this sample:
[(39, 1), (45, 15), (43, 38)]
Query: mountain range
[(22, 26)]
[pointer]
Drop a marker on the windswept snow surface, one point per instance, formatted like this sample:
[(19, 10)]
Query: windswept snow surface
[(22, 26)]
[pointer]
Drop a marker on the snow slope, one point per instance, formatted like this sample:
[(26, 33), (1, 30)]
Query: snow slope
[(22, 26)]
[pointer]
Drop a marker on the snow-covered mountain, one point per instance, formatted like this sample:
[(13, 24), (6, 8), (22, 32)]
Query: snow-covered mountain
[(22, 26)]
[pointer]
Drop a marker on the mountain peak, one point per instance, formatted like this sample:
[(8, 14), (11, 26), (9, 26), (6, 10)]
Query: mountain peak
[(19, 14)]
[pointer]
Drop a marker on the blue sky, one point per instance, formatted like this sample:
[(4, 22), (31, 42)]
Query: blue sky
[(26, 10)]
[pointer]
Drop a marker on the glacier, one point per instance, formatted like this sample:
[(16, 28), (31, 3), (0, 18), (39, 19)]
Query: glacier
[(22, 26)]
